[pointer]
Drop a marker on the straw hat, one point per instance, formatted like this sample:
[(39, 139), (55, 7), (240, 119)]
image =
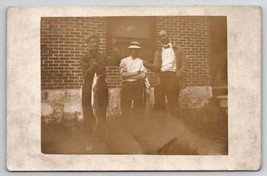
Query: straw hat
[(134, 45)]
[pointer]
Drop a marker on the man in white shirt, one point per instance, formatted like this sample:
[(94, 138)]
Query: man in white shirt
[(169, 66), (133, 74)]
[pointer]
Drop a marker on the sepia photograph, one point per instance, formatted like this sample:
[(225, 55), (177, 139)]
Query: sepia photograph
[(135, 88), (134, 85)]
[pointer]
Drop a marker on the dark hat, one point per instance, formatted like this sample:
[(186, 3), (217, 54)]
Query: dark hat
[(134, 45)]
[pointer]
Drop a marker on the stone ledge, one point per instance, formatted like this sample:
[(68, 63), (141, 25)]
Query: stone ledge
[(56, 103)]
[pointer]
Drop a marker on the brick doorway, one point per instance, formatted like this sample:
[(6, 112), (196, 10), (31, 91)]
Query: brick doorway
[(123, 30), (218, 43)]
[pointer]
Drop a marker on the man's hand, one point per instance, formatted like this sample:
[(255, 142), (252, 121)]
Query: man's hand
[(146, 64)]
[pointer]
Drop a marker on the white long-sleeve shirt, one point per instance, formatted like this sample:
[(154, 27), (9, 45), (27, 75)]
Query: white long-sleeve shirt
[(130, 65)]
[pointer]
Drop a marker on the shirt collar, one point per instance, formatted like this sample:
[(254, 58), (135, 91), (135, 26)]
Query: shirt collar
[(133, 58), (169, 45)]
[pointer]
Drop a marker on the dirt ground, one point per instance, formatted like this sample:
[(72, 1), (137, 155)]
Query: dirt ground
[(194, 133)]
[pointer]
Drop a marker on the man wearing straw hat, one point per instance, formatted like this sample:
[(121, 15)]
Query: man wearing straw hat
[(133, 74)]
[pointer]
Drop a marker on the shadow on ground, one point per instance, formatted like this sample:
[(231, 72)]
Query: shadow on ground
[(194, 133)]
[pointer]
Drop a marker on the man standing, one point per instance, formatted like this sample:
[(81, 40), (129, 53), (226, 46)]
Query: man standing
[(170, 66), (133, 74), (93, 66)]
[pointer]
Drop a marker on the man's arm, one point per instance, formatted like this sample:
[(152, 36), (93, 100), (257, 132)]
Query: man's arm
[(139, 76), (123, 70), (156, 66), (86, 68), (128, 74), (183, 62), (109, 61)]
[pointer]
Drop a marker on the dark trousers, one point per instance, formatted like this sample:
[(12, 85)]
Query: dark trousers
[(100, 111), (132, 91), (168, 87)]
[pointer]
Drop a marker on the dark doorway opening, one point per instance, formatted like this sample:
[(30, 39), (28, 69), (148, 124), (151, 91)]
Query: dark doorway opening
[(123, 30), (218, 43)]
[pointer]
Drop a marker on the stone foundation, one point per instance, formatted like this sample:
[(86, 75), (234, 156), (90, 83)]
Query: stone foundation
[(195, 97), (67, 103), (61, 104)]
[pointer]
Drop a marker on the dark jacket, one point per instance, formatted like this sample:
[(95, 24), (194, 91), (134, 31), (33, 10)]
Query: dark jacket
[(181, 64), (100, 90), (88, 72)]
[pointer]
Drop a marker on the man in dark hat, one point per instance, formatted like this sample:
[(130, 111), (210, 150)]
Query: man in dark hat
[(133, 74), (94, 91), (170, 67)]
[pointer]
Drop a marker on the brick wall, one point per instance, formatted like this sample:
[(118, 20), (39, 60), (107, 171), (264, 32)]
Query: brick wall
[(63, 44), (113, 76), (193, 35)]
